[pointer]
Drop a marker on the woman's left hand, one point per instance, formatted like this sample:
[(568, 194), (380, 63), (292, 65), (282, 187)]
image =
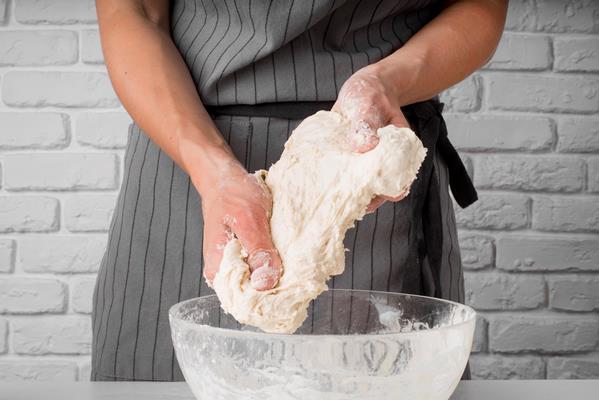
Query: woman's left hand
[(369, 103)]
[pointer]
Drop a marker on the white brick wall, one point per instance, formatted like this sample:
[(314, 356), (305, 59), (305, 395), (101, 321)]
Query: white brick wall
[(62, 134), (531, 244), (526, 125)]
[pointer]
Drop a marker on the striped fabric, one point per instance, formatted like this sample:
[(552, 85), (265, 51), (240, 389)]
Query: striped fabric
[(259, 51), (154, 255), (284, 51)]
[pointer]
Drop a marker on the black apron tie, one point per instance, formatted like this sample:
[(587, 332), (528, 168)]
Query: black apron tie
[(461, 185)]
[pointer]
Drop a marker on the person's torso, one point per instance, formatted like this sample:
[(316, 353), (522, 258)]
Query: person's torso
[(261, 51)]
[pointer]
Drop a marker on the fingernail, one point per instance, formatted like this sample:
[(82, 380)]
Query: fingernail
[(259, 259), (265, 278)]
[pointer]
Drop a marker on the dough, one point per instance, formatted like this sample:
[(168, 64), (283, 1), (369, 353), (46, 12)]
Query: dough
[(319, 188)]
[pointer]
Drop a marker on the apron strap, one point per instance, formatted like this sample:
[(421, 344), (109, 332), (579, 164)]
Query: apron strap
[(285, 110), (461, 185)]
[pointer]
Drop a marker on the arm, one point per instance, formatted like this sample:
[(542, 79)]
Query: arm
[(456, 43), (449, 48), (152, 81), (154, 84)]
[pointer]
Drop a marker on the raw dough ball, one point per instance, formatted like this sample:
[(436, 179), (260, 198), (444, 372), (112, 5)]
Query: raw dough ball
[(319, 188)]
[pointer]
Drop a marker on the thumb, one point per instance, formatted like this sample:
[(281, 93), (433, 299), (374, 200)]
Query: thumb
[(362, 136), (263, 258), (364, 122)]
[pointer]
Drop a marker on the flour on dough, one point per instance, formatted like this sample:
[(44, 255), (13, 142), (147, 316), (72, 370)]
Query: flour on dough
[(319, 188)]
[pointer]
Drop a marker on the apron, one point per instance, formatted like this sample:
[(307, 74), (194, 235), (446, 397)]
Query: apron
[(154, 253)]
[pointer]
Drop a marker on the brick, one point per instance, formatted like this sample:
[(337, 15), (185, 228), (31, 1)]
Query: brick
[(542, 334), (574, 294), (33, 48), (468, 165), (34, 130), (578, 135), (552, 16), (55, 11), (37, 370), (89, 213), (478, 252), (84, 372), (576, 54), (61, 254), (64, 171), (83, 290), (479, 343), (491, 291), (522, 52), (566, 214), (529, 92), (91, 50), (32, 296), (494, 366), (28, 214), (106, 130), (593, 175), (497, 211), (66, 334), (500, 133), (7, 255), (3, 11), (465, 96), (520, 16), (573, 16), (523, 253), (529, 173), (60, 89), (3, 336), (573, 368)]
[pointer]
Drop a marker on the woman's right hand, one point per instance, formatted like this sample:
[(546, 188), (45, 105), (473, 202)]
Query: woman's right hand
[(237, 203)]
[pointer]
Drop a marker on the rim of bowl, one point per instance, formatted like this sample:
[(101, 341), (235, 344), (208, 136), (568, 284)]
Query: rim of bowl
[(236, 332)]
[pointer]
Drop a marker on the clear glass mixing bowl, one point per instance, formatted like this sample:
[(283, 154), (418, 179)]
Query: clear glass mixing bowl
[(354, 345)]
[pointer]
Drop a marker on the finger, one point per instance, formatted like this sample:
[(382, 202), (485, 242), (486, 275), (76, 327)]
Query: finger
[(396, 198), (362, 137), (399, 197), (216, 237), (378, 201), (364, 120), (364, 123), (265, 278), (253, 231), (375, 203)]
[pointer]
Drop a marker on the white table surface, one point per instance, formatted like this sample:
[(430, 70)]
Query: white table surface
[(468, 390)]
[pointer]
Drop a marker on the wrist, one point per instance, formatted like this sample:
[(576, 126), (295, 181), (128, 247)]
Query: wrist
[(399, 74), (206, 163)]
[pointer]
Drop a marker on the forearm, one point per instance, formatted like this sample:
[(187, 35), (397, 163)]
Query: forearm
[(449, 48), (155, 86)]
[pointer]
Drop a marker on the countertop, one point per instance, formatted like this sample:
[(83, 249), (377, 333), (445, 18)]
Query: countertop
[(468, 390)]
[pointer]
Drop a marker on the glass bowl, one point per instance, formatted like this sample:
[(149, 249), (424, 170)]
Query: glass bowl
[(353, 345)]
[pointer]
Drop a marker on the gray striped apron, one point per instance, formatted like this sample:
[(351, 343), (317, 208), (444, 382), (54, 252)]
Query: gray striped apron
[(154, 254)]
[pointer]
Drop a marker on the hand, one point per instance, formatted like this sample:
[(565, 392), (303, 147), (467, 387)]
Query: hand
[(368, 103), (239, 204)]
